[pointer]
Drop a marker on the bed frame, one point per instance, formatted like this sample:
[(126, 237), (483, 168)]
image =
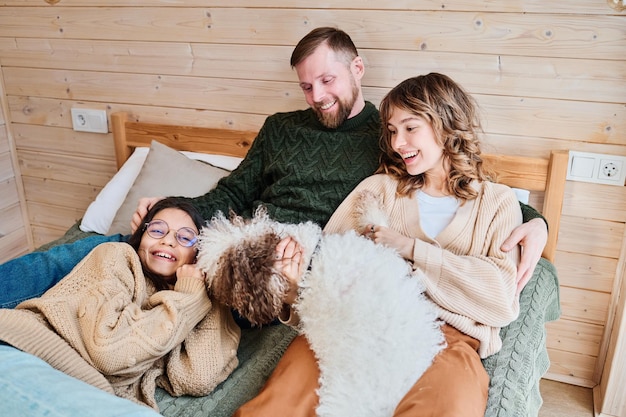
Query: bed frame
[(537, 175)]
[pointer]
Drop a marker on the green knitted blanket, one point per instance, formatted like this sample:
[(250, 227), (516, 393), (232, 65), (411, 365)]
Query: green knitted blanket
[(516, 370)]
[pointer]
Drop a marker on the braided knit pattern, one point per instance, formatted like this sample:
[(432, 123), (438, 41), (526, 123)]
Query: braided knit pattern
[(515, 370), (298, 169)]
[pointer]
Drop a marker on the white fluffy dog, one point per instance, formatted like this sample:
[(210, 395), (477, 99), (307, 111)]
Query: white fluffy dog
[(361, 307)]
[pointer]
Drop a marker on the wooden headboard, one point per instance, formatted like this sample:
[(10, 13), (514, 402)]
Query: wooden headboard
[(538, 175), (128, 135)]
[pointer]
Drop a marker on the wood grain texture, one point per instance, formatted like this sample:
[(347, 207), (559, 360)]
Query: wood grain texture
[(549, 118), (599, 37), (528, 6), (13, 244)]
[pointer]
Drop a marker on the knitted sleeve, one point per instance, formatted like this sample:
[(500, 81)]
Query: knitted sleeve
[(238, 190), (205, 358), (529, 213)]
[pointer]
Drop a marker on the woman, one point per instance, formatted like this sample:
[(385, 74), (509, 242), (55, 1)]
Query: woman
[(131, 317), (445, 218)]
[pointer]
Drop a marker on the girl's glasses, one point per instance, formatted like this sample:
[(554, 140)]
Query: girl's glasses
[(158, 229)]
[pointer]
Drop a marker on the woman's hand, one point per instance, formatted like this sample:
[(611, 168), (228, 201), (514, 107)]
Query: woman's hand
[(389, 237), (532, 237), (289, 264)]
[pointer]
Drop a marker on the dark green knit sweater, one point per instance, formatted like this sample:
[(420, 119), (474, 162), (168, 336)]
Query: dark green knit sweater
[(298, 169)]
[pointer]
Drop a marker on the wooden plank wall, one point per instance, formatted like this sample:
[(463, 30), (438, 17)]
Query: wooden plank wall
[(15, 237), (548, 75)]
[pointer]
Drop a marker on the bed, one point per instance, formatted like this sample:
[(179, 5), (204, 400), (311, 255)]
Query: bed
[(515, 371)]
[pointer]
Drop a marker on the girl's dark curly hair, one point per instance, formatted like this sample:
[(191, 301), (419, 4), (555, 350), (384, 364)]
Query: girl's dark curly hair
[(453, 115), (135, 239)]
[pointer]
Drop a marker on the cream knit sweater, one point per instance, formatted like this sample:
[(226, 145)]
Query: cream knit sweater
[(105, 324), (467, 275)]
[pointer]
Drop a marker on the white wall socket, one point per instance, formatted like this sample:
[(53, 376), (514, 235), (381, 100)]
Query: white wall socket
[(88, 120), (597, 168)]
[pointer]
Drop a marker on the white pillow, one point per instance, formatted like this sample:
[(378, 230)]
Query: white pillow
[(101, 212), (522, 195)]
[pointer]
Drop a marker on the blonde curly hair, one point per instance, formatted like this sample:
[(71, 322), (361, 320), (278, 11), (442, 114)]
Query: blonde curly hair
[(453, 115)]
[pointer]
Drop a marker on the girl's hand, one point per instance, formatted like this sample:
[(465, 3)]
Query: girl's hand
[(390, 238), (289, 264), (189, 270)]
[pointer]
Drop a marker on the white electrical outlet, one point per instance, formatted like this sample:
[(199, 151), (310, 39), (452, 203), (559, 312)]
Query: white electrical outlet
[(609, 169), (597, 168), (89, 120)]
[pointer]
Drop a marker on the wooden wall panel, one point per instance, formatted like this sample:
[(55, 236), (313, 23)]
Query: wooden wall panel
[(63, 141), (591, 236), (594, 201), (53, 112), (11, 218), (54, 216), (571, 367), (572, 120), (15, 237), (584, 306), (594, 273), (66, 168), (547, 75), (529, 76), (6, 166), (570, 336), (4, 141), (567, 36), (528, 6), (49, 192), (12, 245), (8, 191)]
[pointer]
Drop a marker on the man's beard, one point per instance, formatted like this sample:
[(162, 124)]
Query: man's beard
[(344, 108)]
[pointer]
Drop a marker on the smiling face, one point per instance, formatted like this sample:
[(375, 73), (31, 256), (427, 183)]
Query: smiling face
[(164, 255), (414, 139), (331, 86)]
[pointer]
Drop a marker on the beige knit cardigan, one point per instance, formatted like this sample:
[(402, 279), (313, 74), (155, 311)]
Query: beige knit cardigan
[(468, 276)]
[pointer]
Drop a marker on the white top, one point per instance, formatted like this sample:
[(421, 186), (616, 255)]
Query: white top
[(436, 212)]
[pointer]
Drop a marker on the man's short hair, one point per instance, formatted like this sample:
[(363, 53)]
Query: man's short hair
[(336, 39)]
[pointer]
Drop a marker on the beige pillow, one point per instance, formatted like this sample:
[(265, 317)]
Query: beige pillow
[(166, 172)]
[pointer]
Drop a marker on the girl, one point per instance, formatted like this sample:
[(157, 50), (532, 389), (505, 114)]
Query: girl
[(445, 218), (131, 317)]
